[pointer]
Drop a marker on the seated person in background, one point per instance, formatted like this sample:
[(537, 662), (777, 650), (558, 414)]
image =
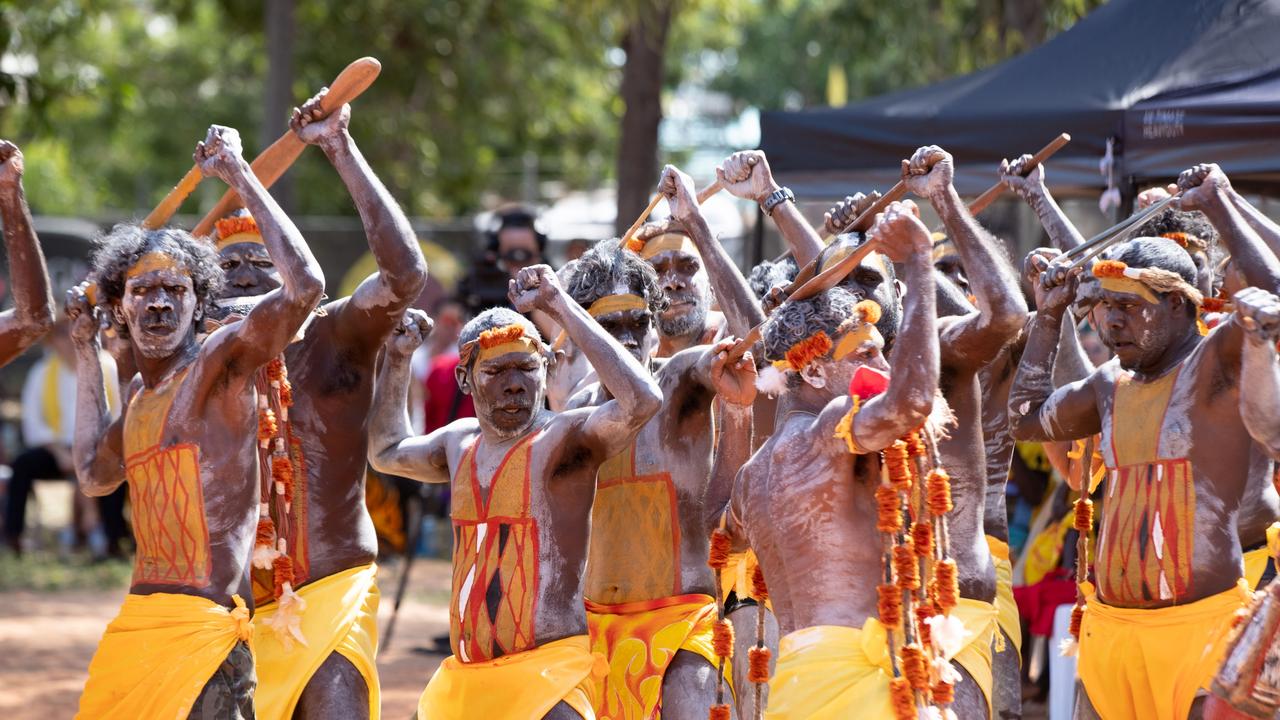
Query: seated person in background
[(48, 427)]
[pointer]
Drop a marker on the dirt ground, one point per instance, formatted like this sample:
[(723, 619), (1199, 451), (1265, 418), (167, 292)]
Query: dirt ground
[(48, 638)]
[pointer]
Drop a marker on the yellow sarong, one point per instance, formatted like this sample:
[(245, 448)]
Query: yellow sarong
[(827, 672), (1150, 664), (981, 621), (523, 686), (640, 639), (1006, 606), (1255, 560), (341, 617), (157, 655)]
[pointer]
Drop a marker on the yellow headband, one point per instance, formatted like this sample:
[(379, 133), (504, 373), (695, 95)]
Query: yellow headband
[(616, 303), (841, 252), (153, 261), (863, 323), (237, 229), (942, 246), (497, 342), (665, 242), (1116, 276)]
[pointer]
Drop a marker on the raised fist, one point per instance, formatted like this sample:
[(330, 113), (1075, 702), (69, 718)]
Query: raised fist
[(313, 127), (1058, 285), (1024, 183), (534, 288), (1259, 313), (10, 164), (747, 175), (677, 188), (82, 313), (1151, 196), (898, 232), (1200, 185), (838, 219), (734, 381), (412, 331), (220, 154), (929, 171), (1036, 262)]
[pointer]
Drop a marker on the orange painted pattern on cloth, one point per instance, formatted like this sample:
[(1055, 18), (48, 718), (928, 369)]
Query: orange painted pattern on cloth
[(635, 534), (166, 493), (495, 559), (640, 639), (1148, 528)]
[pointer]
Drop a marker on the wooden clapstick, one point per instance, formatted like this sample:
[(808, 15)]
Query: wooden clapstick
[(863, 221), (799, 290), (703, 195), (983, 201), (171, 202), (276, 159)]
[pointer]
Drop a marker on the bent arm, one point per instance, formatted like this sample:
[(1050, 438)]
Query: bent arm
[(376, 305), (269, 327), (913, 380), (1259, 263), (610, 426), (32, 312), (98, 448), (1061, 231), (1039, 413), (393, 447), (1268, 231), (1260, 406), (732, 452), (975, 339), (738, 303)]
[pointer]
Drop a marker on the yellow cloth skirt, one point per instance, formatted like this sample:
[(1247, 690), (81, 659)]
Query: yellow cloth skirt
[(1010, 621), (341, 616), (521, 686), (1150, 664), (157, 655), (980, 620), (1255, 560), (640, 639), (829, 672)]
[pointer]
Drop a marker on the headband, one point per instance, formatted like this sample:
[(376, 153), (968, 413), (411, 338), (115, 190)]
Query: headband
[(1186, 240), (153, 261), (1145, 282), (616, 303), (237, 229), (853, 332), (496, 342), (942, 246), (662, 243)]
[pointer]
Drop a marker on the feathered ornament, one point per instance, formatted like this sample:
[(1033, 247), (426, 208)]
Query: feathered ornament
[(286, 622), (771, 381), (948, 635)]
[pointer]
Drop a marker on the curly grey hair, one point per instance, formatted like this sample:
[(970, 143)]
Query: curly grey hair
[(797, 320), (603, 267)]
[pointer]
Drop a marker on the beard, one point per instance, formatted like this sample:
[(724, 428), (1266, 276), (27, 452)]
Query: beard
[(692, 321)]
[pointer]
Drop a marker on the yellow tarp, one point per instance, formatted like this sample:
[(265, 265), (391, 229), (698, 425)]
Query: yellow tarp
[(157, 655), (341, 616)]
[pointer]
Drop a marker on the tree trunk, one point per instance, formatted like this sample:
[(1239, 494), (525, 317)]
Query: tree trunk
[(278, 99), (642, 75)]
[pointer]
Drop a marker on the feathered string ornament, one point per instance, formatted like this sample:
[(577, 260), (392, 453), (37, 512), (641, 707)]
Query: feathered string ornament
[(722, 631), (279, 478), (1082, 522), (759, 656)]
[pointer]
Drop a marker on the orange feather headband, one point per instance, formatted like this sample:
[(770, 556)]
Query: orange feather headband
[(237, 229), (499, 341), (1116, 276)]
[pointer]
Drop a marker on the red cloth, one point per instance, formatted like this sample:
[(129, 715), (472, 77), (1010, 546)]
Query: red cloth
[(441, 389), (1037, 603)]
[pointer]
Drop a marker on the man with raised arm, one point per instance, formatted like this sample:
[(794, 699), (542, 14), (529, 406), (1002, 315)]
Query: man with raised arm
[(523, 481), (187, 444), (650, 595), (806, 501), (319, 661), (1177, 453), (32, 313)]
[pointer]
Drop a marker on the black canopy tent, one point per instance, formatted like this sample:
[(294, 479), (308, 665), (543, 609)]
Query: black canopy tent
[(1173, 83)]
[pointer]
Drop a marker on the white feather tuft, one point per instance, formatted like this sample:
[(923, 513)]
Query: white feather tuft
[(771, 381), (286, 622), (1069, 647), (264, 557)]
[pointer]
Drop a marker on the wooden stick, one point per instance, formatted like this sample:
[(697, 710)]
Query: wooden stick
[(644, 215), (864, 220), (1118, 233), (276, 159), (171, 202), (798, 290), (984, 200)]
